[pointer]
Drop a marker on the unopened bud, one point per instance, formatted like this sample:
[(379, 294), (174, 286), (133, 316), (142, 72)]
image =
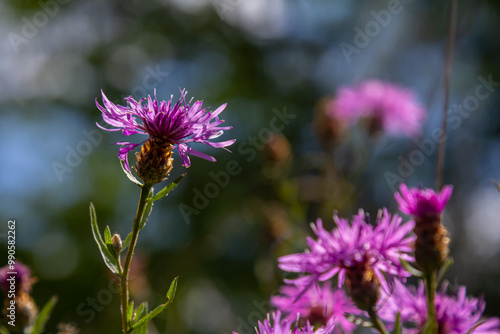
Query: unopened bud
[(432, 243), (117, 243), (328, 129)]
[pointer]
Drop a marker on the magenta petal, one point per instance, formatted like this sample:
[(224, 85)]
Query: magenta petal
[(200, 154), (126, 147)]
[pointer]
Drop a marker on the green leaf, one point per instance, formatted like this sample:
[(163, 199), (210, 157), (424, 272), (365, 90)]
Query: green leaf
[(3, 330), (126, 243), (130, 312), (444, 269), (147, 210), (43, 316), (159, 309), (172, 289), (411, 269), (140, 313), (109, 259), (397, 324), (129, 174), (107, 236), (142, 330), (164, 192), (109, 243)]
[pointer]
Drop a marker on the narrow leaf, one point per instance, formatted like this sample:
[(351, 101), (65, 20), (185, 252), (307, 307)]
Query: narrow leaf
[(141, 311), (109, 243), (397, 324), (150, 315), (147, 210), (444, 269), (107, 236), (172, 289), (129, 174), (108, 258), (142, 330), (130, 312), (159, 309), (411, 269), (44, 316), (164, 192), (126, 243)]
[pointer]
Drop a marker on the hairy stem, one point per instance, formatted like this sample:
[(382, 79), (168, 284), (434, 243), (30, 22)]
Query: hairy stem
[(130, 252), (450, 46)]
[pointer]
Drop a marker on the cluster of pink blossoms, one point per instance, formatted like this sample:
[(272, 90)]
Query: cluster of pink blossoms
[(311, 305)]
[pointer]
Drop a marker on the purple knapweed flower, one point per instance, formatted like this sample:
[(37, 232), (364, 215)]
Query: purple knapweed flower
[(176, 124), (354, 245), (319, 304), (390, 107), (17, 278), (455, 314), (422, 203), (285, 326)]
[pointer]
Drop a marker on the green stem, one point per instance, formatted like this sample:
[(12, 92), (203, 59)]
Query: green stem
[(126, 268), (450, 46), (376, 322), (430, 292)]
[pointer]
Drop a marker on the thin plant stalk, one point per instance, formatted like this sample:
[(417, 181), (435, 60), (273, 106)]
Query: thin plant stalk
[(430, 292), (450, 46), (377, 323), (130, 252)]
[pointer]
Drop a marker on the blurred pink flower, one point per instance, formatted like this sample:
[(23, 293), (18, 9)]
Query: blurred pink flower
[(319, 304), (284, 326), (390, 107), (455, 314)]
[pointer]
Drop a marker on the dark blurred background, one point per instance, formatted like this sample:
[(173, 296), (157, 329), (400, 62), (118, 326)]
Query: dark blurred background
[(268, 60)]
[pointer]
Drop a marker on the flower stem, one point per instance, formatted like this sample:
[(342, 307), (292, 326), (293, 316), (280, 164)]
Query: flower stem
[(430, 292), (126, 268), (450, 45), (376, 322)]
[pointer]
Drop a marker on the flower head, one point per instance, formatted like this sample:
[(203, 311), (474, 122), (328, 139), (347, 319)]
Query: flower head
[(422, 202), (391, 107), (320, 304), (455, 314), (18, 276), (165, 122), (280, 326), (353, 245)]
